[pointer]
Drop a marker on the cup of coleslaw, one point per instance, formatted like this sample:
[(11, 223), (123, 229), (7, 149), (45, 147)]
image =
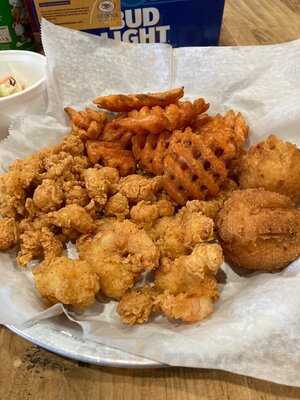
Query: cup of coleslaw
[(22, 85)]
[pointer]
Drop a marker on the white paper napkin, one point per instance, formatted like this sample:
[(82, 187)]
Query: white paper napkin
[(255, 329)]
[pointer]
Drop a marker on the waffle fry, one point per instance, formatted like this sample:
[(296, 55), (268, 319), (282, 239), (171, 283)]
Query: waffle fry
[(200, 121), (184, 113), (146, 120), (89, 123), (112, 132), (149, 151), (225, 135), (111, 154), (121, 102), (191, 168), (156, 119)]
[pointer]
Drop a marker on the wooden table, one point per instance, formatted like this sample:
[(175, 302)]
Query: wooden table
[(30, 373)]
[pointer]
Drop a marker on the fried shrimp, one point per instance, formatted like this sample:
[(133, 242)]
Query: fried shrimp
[(193, 273), (211, 208), (137, 305), (38, 244), (119, 255), (48, 196), (100, 183), (184, 289), (73, 217), (75, 193), (14, 184), (145, 212), (9, 234), (117, 206), (138, 187), (184, 307), (62, 280), (178, 234)]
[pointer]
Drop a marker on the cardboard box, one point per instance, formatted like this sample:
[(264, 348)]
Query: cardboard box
[(178, 22)]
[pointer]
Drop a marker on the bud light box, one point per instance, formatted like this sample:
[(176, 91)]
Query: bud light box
[(177, 22)]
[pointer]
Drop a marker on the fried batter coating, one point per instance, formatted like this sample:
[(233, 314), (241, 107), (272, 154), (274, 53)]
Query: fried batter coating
[(66, 281), (119, 256), (97, 187), (147, 212), (100, 183), (71, 144), (32, 210), (259, 230), (73, 217), (48, 196), (36, 223), (156, 120), (38, 244), (37, 185), (128, 102), (111, 175), (177, 235), (64, 166), (29, 169), (12, 195), (272, 165), (185, 289), (75, 193), (89, 123), (111, 154), (185, 307), (210, 208), (136, 306), (9, 234), (138, 187), (117, 206), (113, 133), (193, 274), (103, 224), (13, 185)]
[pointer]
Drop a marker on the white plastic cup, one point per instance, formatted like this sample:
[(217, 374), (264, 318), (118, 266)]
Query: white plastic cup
[(30, 68)]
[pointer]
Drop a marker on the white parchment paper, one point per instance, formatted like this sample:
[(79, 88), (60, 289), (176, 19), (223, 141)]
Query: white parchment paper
[(255, 329)]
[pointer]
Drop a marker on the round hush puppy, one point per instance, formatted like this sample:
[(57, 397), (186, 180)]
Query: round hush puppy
[(272, 165), (259, 230)]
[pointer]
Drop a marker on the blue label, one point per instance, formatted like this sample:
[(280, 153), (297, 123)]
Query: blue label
[(178, 22), (132, 3)]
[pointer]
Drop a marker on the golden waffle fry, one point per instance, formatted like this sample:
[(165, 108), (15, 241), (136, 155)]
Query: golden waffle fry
[(112, 132), (191, 169), (88, 123), (122, 102), (225, 135), (146, 120), (149, 151), (200, 121), (157, 119), (111, 154)]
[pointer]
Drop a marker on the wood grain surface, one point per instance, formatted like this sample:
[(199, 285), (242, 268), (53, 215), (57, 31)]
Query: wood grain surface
[(30, 373)]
